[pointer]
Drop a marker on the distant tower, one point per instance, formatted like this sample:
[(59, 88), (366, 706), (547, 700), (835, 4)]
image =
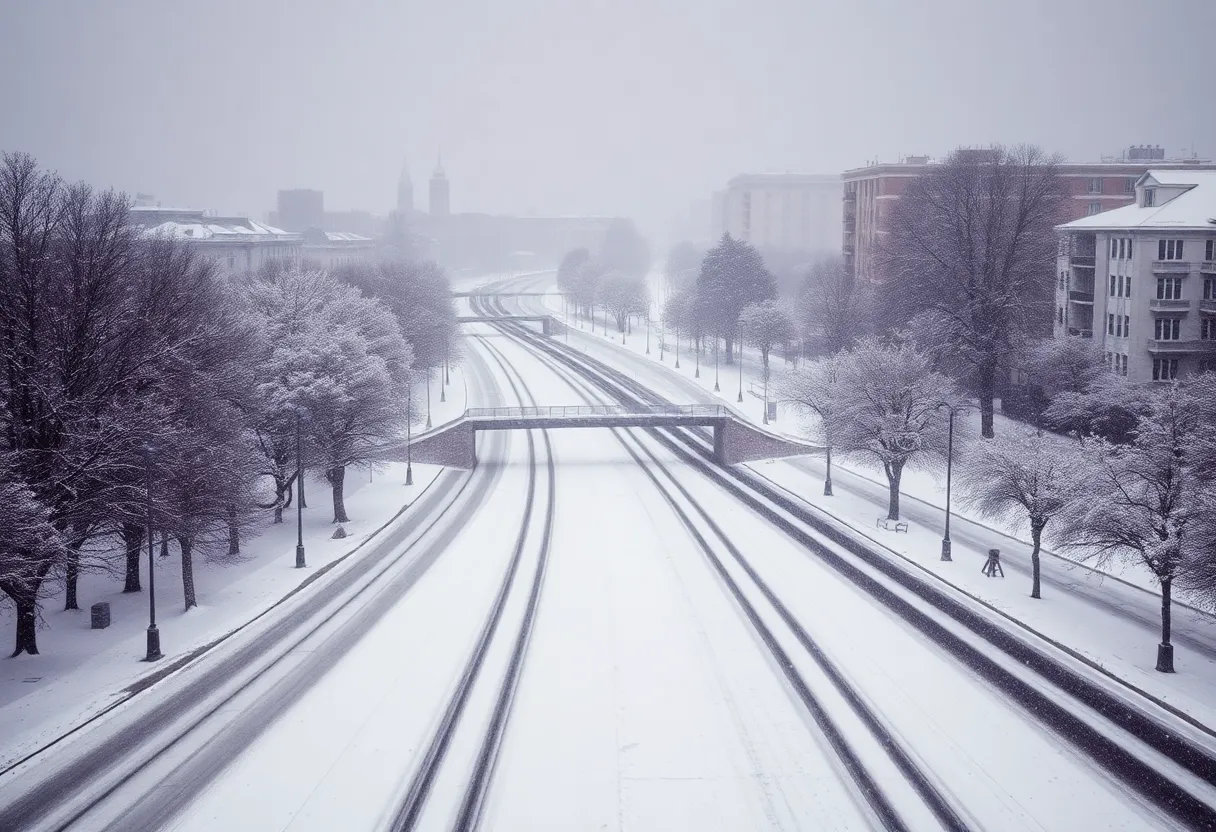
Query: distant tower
[(405, 192), (441, 197)]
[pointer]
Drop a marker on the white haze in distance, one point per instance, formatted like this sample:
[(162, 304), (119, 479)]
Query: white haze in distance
[(627, 107)]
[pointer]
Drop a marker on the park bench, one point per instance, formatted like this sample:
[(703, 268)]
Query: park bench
[(892, 525)]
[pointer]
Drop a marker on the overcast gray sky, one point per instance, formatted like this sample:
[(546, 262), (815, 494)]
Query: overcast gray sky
[(631, 107)]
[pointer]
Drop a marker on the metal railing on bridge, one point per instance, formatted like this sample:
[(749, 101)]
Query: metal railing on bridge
[(706, 410)]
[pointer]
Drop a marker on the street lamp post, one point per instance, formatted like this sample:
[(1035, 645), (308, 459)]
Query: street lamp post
[(765, 418), (409, 421), (717, 389), (677, 346), (740, 399), (648, 331), (428, 398), (300, 563), (946, 556), (153, 633)]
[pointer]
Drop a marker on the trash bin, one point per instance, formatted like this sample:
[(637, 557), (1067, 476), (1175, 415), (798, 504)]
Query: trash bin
[(101, 615)]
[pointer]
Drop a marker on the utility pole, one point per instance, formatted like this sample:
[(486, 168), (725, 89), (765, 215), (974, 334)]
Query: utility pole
[(300, 563)]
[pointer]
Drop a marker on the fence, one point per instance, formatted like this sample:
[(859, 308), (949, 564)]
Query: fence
[(559, 411)]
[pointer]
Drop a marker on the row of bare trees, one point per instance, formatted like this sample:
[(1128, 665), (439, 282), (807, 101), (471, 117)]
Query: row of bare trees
[(1150, 499), (128, 360)]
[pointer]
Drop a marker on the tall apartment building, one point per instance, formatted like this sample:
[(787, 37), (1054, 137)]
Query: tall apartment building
[(780, 211), (1091, 188), (1141, 279)]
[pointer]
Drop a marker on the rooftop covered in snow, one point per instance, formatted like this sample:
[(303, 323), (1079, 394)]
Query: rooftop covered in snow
[(1183, 200)]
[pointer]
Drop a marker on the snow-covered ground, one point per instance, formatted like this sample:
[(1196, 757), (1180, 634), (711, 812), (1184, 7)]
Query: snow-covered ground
[(646, 701), (81, 672), (649, 697), (1112, 619)]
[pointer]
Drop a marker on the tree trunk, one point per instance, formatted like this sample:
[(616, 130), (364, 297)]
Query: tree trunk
[(133, 540), (987, 391), (337, 479), (1036, 535), (234, 532), (1165, 651), (187, 546), (827, 483), (729, 349), (894, 471), (69, 579), (27, 631), (164, 544)]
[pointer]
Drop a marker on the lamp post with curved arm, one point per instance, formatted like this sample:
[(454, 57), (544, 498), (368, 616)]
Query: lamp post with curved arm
[(946, 556)]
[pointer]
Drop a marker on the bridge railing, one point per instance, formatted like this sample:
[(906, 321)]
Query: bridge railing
[(568, 411)]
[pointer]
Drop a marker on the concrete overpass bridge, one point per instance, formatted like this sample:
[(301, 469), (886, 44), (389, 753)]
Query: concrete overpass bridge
[(493, 293), (455, 444), (547, 323)]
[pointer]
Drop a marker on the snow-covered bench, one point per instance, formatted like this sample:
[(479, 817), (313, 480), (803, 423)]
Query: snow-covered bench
[(892, 525)]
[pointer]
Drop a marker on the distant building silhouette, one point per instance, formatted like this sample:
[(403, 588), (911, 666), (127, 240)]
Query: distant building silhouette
[(300, 209)]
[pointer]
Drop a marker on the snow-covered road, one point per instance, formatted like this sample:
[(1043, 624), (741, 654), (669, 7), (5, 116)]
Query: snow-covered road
[(662, 685)]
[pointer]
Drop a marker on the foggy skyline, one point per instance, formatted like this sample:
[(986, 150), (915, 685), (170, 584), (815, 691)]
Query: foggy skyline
[(609, 108)]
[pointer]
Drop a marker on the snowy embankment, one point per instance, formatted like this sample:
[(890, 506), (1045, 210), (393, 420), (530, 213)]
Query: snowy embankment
[(1112, 620), (82, 672)]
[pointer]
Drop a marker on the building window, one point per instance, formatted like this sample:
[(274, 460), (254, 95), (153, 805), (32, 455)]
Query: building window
[(1169, 288), (1123, 360), (1209, 288), (1165, 369), (1114, 248), (1127, 327), (1095, 185), (1110, 323), (1207, 329), (1166, 329), (1095, 208), (1112, 285), (1150, 197), (1129, 248), (1169, 249), (1209, 252), (1129, 185)]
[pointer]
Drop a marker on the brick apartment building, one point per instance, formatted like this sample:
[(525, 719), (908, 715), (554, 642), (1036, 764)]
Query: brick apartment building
[(1094, 187)]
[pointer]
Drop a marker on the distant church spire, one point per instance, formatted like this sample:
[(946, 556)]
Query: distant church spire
[(405, 190)]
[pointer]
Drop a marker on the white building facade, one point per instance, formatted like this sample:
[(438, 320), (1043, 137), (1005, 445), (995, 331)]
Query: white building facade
[(784, 211), (332, 249), (1141, 280), (235, 244)]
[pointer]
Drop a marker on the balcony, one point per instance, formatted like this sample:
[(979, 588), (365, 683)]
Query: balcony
[(1171, 266), (1162, 305), (1081, 261), (1081, 297), (1207, 305), (1208, 267), (1080, 333), (1191, 345)]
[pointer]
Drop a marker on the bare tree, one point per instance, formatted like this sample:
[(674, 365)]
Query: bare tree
[(890, 409), (1025, 474), (623, 296), (833, 310), (764, 325), (974, 240), (1142, 500), (818, 387)]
